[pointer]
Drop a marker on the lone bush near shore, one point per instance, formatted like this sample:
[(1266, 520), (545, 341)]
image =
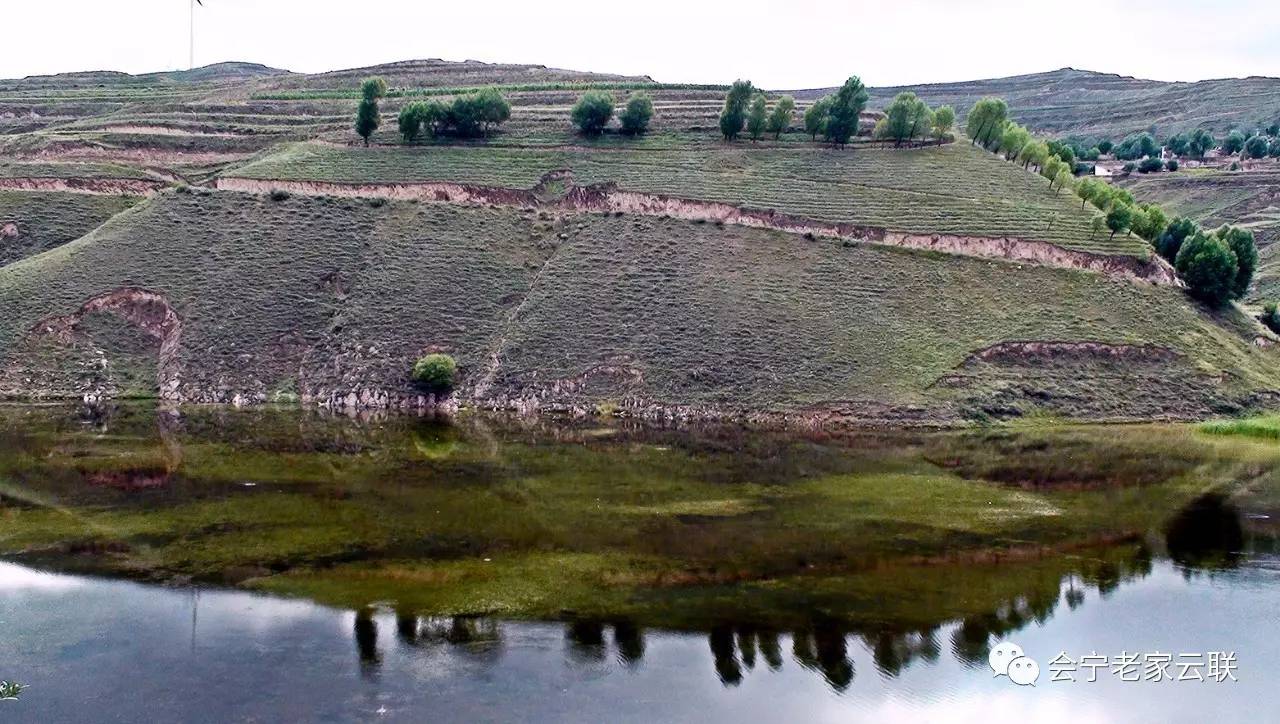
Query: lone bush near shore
[(435, 372)]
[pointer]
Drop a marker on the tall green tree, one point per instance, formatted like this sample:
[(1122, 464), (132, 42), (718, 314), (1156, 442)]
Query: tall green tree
[(1256, 147), (1242, 243), (1034, 153), (1012, 141), (1178, 144), (781, 115), (1119, 217), (592, 111), (944, 119), (491, 108), (906, 117), (845, 112), (815, 117), (1170, 242), (1233, 143), (757, 117), (1209, 268), (367, 116), (635, 117), (1200, 143), (734, 114), (985, 123)]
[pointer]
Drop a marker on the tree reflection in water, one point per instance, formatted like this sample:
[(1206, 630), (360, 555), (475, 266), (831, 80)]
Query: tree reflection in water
[(1207, 535), (366, 635), (822, 645)]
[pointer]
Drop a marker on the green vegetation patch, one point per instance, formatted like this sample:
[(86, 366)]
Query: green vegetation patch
[(1267, 427), (32, 222), (953, 189)]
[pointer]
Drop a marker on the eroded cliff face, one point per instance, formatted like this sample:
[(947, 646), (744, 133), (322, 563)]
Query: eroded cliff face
[(607, 198), (114, 186)]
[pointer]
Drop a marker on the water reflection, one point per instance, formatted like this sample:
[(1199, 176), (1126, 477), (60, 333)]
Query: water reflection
[(853, 560), (1206, 535), (823, 646)]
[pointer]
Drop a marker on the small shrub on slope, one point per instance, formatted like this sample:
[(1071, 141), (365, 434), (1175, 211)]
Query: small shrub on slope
[(435, 372)]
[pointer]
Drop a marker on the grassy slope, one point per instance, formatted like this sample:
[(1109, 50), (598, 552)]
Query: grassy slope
[(48, 220), (319, 294), (954, 189)]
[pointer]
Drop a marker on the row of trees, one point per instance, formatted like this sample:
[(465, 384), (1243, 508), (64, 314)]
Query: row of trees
[(594, 110), (467, 116), (1195, 144), (1216, 266), (835, 117), (909, 117)]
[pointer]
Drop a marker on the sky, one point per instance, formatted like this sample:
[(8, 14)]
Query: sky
[(781, 45)]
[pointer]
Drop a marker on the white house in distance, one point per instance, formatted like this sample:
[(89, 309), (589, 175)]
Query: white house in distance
[(1100, 170)]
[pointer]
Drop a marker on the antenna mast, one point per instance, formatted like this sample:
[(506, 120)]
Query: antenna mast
[(191, 59)]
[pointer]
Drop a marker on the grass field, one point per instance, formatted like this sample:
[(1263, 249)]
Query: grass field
[(953, 189), (41, 221), (314, 295), (1266, 427), (72, 170)]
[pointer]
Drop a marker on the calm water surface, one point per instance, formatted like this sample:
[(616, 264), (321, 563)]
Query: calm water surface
[(286, 566)]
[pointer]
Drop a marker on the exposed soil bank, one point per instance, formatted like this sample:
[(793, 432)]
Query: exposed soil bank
[(608, 198), (106, 186)]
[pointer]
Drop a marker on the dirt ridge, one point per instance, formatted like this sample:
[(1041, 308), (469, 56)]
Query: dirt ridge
[(609, 198), (102, 186)]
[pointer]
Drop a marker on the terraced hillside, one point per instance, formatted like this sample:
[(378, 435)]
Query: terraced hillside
[(223, 296), (1213, 197), (218, 237), (954, 189), (1081, 102)]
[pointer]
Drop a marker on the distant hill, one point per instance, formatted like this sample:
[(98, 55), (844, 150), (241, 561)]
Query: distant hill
[(1081, 102), (436, 73), (217, 72)]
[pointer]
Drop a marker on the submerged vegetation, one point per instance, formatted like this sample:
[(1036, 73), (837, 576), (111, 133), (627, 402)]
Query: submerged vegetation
[(499, 517)]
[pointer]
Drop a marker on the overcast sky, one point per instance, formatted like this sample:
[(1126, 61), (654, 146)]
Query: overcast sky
[(792, 44)]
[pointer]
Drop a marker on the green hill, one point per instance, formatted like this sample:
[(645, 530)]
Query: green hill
[(246, 250), (325, 298)]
